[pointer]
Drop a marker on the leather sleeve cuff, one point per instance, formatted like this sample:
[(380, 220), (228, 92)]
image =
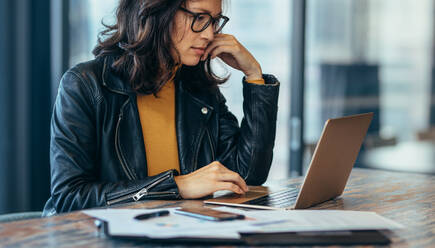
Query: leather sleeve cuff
[(168, 185), (269, 80)]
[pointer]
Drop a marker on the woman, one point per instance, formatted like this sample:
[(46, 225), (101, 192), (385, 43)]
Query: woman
[(146, 120)]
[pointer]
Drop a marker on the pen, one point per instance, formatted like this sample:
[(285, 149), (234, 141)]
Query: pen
[(151, 215)]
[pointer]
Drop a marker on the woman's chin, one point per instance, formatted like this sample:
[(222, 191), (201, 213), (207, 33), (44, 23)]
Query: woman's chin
[(192, 61)]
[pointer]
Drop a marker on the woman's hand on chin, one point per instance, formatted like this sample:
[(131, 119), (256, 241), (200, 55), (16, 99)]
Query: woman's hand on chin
[(229, 49), (209, 179)]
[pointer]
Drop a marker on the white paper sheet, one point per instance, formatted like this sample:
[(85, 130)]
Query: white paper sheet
[(317, 220), (122, 222)]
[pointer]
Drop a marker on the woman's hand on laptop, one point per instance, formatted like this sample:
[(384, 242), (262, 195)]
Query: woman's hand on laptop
[(209, 179)]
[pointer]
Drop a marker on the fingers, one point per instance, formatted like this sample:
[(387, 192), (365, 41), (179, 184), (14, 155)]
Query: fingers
[(230, 186), (209, 179), (222, 173), (223, 49), (234, 178), (234, 54), (218, 42)]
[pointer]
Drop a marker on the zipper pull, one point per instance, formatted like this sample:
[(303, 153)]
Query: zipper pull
[(140, 194), (143, 192)]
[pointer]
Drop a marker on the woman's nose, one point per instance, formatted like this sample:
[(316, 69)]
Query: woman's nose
[(208, 33)]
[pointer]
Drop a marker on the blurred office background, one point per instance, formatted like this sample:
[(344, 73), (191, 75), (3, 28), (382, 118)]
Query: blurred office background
[(333, 58)]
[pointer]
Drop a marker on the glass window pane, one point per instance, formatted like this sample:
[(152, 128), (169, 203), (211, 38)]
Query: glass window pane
[(268, 39), (85, 24), (374, 56)]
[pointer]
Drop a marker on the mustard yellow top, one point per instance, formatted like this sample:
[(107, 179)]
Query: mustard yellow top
[(157, 117)]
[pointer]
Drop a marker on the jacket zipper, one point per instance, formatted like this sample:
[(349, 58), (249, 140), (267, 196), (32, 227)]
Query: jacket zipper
[(129, 196), (118, 151), (121, 158), (144, 192), (211, 144), (136, 196)]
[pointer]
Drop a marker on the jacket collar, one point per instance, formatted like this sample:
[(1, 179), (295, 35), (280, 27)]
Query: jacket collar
[(187, 96), (112, 81)]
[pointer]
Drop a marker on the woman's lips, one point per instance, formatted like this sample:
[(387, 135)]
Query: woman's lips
[(198, 50)]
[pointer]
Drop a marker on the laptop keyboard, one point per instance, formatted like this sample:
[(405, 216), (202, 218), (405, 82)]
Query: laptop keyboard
[(279, 199)]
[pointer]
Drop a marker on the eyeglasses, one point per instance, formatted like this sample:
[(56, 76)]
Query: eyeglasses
[(201, 21)]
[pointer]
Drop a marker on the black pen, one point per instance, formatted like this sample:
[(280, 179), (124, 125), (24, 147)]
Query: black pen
[(151, 215)]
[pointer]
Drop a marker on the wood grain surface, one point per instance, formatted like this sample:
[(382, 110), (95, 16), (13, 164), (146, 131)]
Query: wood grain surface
[(403, 197)]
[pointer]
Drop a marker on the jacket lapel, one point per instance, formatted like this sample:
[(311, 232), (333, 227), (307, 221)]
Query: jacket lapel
[(128, 131), (131, 140), (192, 115)]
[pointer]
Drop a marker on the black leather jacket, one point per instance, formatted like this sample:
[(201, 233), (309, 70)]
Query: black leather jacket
[(97, 152)]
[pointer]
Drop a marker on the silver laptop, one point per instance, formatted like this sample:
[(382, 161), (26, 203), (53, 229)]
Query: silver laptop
[(327, 175)]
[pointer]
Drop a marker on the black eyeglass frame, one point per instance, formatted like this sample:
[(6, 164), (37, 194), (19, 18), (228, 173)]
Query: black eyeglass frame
[(211, 20)]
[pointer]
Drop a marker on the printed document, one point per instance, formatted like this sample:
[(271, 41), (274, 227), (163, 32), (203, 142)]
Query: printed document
[(121, 222)]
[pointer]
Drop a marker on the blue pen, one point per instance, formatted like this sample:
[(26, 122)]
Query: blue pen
[(151, 215)]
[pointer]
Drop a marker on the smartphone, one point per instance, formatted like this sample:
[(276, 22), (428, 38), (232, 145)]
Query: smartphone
[(209, 214)]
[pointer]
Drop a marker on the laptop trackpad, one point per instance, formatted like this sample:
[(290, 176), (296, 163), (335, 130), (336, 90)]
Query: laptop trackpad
[(230, 197)]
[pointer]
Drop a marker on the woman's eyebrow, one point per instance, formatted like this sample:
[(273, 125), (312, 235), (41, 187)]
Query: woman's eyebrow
[(206, 11)]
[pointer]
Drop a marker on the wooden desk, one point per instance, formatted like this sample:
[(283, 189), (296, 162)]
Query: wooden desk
[(403, 197)]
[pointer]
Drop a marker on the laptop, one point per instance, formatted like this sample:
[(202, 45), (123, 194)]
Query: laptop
[(327, 175)]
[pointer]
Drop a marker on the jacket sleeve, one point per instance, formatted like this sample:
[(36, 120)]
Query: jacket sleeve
[(248, 149), (73, 149)]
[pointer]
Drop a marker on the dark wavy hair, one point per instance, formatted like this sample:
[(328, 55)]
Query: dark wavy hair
[(140, 41)]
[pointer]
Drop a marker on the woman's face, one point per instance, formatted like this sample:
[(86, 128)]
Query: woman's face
[(191, 45)]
